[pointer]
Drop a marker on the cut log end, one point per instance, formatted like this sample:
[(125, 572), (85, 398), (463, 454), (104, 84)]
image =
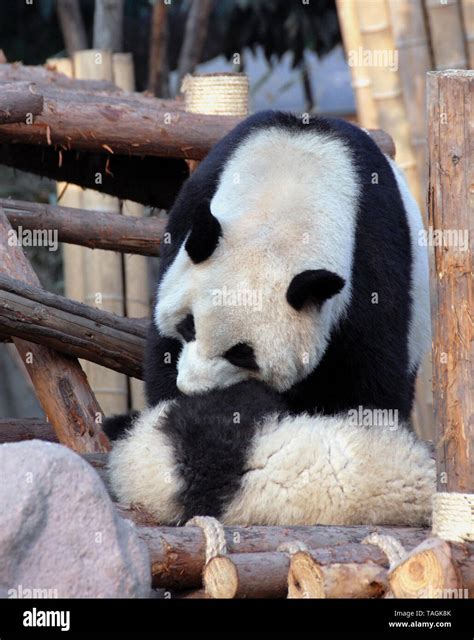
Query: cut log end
[(305, 578), (426, 573), (221, 579)]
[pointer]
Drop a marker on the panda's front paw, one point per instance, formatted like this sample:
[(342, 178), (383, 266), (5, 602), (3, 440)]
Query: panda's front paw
[(142, 467)]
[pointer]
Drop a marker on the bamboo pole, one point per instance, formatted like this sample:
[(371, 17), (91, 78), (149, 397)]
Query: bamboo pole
[(367, 115), (468, 25), (70, 195), (379, 45), (446, 34), (450, 202), (103, 284), (135, 268)]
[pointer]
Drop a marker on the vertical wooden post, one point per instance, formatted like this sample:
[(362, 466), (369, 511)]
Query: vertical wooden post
[(451, 216)]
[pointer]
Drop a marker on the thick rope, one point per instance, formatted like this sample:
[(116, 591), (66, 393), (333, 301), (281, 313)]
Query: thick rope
[(393, 548), (214, 534), (218, 94), (453, 516)]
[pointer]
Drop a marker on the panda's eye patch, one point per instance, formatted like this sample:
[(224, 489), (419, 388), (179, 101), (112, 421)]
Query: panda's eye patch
[(242, 355), (186, 328)]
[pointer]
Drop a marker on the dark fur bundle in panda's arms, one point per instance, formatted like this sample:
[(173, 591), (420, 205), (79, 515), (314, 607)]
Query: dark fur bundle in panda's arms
[(238, 455)]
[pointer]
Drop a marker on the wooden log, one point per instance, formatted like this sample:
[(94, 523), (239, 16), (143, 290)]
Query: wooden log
[(345, 571), (451, 162), (118, 123), (247, 575), (178, 554), (18, 103), (93, 229), (48, 78), (59, 382), (19, 429), (158, 64), (435, 569), (70, 327), (446, 34)]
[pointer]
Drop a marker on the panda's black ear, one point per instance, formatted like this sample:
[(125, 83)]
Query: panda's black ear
[(204, 236), (313, 287)]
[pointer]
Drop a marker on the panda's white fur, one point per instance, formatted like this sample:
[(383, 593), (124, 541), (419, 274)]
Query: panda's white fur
[(300, 470), (420, 323), (263, 246)]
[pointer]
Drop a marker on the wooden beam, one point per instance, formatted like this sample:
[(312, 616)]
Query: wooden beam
[(126, 124), (18, 103), (93, 229), (31, 313), (451, 220), (59, 381), (178, 553), (19, 429)]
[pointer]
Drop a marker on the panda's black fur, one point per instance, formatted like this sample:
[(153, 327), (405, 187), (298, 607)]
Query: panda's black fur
[(366, 362)]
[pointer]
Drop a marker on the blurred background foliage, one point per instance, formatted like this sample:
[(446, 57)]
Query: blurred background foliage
[(31, 33)]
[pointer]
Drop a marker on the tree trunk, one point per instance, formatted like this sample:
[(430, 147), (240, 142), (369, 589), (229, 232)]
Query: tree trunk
[(194, 37), (59, 381), (31, 313), (158, 67), (72, 26), (108, 25)]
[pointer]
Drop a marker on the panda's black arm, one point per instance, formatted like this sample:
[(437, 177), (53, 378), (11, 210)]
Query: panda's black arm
[(115, 426), (160, 367)]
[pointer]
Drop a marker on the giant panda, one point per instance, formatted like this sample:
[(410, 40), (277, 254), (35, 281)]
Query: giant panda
[(316, 227), (318, 224)]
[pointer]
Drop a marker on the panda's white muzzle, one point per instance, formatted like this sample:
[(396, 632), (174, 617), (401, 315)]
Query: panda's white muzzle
[(197, 374)]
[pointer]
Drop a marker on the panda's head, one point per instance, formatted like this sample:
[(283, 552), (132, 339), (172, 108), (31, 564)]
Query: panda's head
[(241, 311), (265, 274)]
